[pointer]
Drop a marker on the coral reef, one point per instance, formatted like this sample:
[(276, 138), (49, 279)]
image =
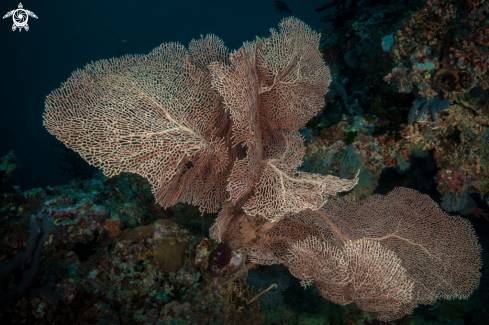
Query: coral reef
[(407, 106), (442, 49), (102, 241)]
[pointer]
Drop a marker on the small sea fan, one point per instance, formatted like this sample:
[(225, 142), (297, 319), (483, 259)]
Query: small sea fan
[(418, 152), (453, 201)]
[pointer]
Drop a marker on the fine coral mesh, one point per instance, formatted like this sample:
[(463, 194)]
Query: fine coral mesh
[(432, 253), (422, 235), (150, 115), (361, 272)]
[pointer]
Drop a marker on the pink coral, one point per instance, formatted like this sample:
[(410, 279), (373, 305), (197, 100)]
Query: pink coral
[(213, 129), (202, 125), (387, 254), (453, 179)]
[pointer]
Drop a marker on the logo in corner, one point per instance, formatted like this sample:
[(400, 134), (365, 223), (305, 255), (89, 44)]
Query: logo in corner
[(20, 17)]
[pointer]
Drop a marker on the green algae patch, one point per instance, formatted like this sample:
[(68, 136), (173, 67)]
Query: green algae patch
[(169, 254), (136, 234)]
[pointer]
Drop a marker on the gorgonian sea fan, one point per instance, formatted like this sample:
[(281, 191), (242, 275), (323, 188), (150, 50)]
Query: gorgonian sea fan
[(203, 125)]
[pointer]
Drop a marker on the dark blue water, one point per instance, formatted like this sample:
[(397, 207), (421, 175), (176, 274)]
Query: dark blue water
[(67, 35)]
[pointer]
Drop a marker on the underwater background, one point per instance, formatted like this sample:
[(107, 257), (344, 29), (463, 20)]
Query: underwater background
[(407, 106), (73, 35)]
